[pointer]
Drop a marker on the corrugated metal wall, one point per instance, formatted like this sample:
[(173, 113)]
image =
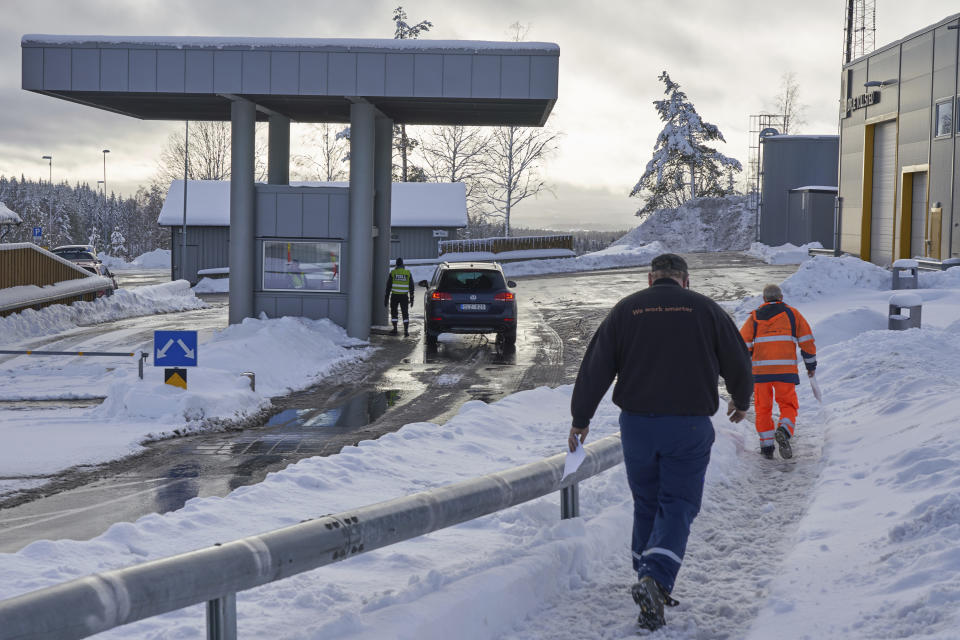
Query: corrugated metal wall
[(207, 248), (791, 162), (417, 242), (916, 74)]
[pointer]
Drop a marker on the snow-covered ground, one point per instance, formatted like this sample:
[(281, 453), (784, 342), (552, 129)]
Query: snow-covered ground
[(156, 259), (285, 354), (124, 303), (856, 537), (783, 254)]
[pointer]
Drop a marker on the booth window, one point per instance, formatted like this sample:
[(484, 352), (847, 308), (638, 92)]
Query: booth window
[(944, 118), (301, 266)]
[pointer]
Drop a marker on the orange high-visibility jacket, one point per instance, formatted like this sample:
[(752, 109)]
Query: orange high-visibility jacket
[(772, 333)]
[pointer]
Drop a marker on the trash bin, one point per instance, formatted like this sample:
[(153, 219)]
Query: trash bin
[(905, 274), (904, 311)]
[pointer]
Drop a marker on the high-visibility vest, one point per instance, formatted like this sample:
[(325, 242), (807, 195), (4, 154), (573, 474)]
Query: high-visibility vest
[(772, 333), (400, 280), (299, 280)]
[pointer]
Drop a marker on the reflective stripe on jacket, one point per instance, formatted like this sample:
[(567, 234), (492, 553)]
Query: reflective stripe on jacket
[(400, 282), (772, 333)]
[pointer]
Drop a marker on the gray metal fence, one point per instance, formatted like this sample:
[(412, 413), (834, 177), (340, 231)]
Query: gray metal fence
[(214, 575)]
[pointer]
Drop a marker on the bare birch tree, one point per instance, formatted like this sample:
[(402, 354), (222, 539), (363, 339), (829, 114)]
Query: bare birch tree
[(787, 103), (209, 148), (514, 158), (330, 151), (457, 154), (402, 143)]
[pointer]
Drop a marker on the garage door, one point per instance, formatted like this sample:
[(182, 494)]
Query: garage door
[(918, 214), (884, 191)]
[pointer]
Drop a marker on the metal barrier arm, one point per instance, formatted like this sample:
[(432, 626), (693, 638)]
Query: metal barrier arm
[(96, 603)]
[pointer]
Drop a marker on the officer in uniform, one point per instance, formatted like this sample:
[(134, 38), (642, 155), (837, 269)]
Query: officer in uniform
[(399, 293)]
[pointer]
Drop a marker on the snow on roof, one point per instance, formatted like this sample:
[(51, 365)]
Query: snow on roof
[(815, 188), (338, 44), (8, 216), (413, 204)]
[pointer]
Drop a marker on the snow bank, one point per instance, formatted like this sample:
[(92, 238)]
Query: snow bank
[(156, 259), (124, 303), (784, 254), (285, 354), (612, 257), (702, 224), (212, 285)]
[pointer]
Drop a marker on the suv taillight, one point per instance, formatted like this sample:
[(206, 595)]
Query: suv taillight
[(505, 295), (440, 295)]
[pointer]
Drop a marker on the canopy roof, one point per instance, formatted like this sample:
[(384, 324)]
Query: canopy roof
[(308, 80), (412, 204)]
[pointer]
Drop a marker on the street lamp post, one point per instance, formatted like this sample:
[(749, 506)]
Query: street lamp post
[(105, 152), (49, 160)]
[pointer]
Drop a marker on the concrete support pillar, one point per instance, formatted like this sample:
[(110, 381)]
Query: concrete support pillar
[(383, 183), (360, 261), (278, 158), (243, 261)]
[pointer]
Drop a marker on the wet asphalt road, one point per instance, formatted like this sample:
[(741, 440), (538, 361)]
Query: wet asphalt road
[(401, 383)]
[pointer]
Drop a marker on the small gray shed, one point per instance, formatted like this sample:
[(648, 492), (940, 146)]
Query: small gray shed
[(789, 163), (811, 215), (422, 214)]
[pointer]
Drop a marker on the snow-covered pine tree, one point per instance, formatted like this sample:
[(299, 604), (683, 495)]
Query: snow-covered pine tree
[(118, 244), (682, 166)]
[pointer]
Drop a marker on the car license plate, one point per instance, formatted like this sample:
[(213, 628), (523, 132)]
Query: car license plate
[(473, 307)]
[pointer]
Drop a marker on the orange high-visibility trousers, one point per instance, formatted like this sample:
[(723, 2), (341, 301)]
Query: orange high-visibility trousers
[(763, 397)]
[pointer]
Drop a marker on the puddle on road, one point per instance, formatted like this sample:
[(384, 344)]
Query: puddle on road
[(358, 411)]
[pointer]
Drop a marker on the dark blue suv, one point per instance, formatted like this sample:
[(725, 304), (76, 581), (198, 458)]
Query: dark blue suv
[(470, 297)]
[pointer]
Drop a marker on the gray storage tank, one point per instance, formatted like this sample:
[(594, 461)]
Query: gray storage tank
[(793, 162)]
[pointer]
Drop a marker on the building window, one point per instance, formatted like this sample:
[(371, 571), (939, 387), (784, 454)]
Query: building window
[(301, 266), (944, 118)]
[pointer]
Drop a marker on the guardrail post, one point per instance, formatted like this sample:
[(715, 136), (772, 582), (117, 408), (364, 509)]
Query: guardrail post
[(143, 356), (570, 502), (222, 618)]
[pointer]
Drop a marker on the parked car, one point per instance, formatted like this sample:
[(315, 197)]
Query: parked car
[(85, 257), (470, 297)]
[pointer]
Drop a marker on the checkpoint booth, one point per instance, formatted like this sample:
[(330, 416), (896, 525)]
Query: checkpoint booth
[(370, 84)]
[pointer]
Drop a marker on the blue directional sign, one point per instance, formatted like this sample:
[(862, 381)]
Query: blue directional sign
[(174, 348), (38, 232)]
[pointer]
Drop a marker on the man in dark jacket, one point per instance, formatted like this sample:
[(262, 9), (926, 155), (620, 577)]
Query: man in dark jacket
[(399, 289), (666, 346)]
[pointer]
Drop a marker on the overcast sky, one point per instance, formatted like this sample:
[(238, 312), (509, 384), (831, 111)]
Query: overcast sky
[(727, 55)]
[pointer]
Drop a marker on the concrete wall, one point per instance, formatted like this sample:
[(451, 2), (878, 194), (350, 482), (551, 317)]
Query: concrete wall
[(790, 162)]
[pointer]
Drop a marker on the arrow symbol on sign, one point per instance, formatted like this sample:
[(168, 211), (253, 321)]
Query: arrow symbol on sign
[(189, 352), (161, 353)]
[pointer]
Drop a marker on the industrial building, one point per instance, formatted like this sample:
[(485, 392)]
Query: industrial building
[(898, 149), (422, 213)]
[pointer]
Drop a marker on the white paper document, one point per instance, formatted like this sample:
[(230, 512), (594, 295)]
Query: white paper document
[(816, 389), (574, 460)]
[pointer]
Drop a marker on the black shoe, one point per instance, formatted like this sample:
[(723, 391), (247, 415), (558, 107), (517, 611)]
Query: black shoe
[(767, 452), (649, 596), (782, 436), (394, 332), (406, 332)]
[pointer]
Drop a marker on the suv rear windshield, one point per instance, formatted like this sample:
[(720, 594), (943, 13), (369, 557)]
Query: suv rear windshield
[(471, 280), (75, 254)]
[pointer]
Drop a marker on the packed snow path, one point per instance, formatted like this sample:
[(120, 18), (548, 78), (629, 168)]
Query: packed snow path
[(750, 513)]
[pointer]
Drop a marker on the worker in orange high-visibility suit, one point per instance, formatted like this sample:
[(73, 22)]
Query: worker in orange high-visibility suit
[(772, 333)]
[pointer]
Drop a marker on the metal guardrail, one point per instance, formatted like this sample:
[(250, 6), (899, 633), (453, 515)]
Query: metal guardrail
[(96, 603), (500, 245), (120, 354)]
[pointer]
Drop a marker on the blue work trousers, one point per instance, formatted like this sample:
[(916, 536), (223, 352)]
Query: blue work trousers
[(666, 459)]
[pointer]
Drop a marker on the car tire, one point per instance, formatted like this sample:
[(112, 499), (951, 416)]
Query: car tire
[(508, 339), (431, 338)]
